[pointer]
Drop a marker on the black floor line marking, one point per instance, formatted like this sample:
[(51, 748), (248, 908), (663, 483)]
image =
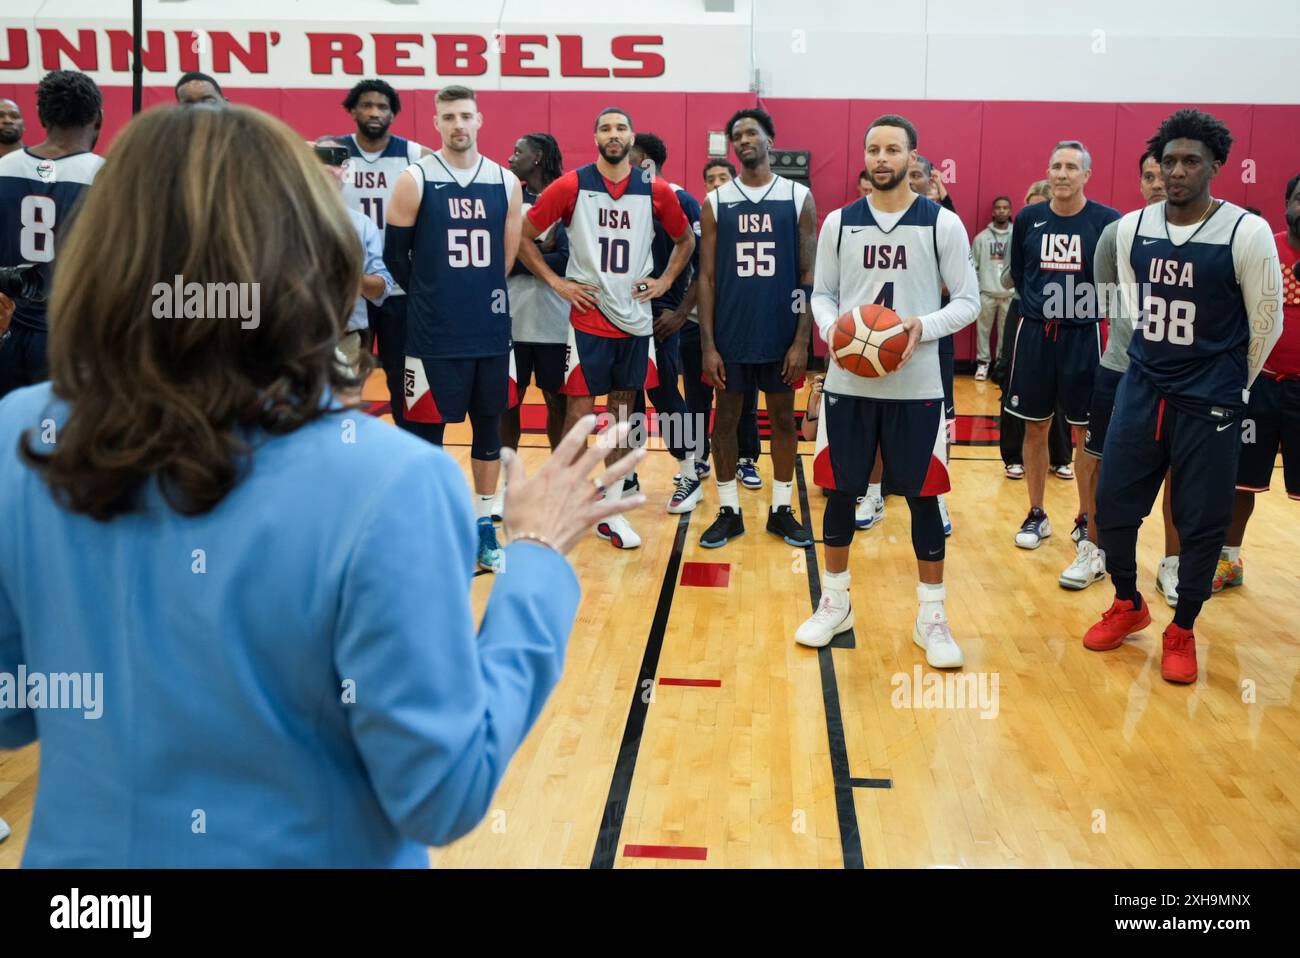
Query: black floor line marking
[(850, 840), (611, 823), (872, 782)]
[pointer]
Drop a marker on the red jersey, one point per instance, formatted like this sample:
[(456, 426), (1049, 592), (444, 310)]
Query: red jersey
[(1284, 360)]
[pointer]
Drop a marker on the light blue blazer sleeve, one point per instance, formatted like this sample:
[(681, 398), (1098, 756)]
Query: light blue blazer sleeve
[(440, 706)]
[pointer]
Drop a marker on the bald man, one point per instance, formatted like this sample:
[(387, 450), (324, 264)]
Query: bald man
[(11, 127)]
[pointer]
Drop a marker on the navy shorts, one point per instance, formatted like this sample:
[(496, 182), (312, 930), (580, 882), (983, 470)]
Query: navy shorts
[(444, 390), (1271, 423), (911, 437), (765, 377), (545, 361), (597, 365), (1099, 410), (1053, 363)]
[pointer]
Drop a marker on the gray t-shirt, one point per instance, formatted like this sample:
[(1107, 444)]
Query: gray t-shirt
[(1105, 272)]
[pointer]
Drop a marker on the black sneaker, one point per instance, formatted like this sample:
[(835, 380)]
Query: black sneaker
[(631, 484), (781, 522), (726, 527)]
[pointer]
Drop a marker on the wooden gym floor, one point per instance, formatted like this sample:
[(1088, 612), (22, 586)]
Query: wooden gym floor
[(690, 731)]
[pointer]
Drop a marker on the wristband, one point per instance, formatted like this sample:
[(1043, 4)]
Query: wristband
[(533, 537)]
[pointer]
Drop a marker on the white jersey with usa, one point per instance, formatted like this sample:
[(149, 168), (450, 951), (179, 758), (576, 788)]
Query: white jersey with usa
[(370, 178), (459, 306)]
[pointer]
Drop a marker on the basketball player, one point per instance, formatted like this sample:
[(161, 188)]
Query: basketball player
[(610, 213), (682, 434), (1057, 344), (11, 127), (1089, 564), (757, 246), (539, 319), (1209, 314), (377, 157), (699, 394), (198, 89), (1272, 418), (39, 190), (451, 234), (989, 251), (898, 249)]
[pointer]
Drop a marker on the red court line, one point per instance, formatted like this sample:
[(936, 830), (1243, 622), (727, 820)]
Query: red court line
[(683, 852), (694, 683)]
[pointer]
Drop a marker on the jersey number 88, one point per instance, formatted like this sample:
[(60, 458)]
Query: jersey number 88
[(1170, 320)]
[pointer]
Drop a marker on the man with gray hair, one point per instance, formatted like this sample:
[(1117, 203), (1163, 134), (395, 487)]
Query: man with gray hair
[(1057, 343)]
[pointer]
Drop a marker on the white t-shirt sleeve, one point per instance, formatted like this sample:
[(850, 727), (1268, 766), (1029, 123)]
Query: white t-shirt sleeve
[(1124, 235), (1259, 274), (826, 276), (416, 172), (958, 273)]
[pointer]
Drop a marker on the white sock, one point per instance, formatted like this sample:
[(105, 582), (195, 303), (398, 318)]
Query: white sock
[(483, 504), (688, 468), (781, 492), (728, 495), (873, 490), (931, 598), (1231, 553), (837, 585), (614, 491)]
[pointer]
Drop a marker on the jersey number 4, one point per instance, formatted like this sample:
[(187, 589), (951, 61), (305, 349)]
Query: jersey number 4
[(36, 238), (469, 248), (1169, 320)]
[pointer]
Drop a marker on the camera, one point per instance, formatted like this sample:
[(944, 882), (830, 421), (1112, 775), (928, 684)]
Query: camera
[(23, 282)]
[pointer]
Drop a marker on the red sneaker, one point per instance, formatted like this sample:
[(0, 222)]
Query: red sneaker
[(1178, 664), (1117, 623)]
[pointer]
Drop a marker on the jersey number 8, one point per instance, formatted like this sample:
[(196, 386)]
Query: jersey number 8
[(469, 248), (1171, 321), (36, 240)]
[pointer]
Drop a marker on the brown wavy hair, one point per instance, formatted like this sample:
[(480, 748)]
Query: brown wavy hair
[(219, 196)]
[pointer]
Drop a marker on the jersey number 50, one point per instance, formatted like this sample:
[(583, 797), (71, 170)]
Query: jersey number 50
[(469, 248), (1171, 320), (36, 239)]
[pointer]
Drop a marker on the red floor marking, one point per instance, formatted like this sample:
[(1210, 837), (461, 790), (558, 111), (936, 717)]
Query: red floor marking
[(708, 574), (684, 852), (694, 683)]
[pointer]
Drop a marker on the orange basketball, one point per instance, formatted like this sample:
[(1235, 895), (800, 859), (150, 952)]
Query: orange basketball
[(869, 340)]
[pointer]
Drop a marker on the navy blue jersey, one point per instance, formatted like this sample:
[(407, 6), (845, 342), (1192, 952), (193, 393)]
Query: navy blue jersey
[(756, 269), (459, 305), (37, 200), (1051, 261), (1193, 332), (662, 250)]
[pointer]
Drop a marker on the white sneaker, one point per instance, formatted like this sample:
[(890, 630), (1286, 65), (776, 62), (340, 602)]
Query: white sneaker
[(981, 372), (935, 637), (620, 532), (943, 514), (1033, 530), (871, 509), (1167, 579), (1089, 566), (4, 829), (833, 616)]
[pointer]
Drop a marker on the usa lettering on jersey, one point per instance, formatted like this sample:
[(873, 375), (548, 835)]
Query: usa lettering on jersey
[(884, 256), (1061, 251)]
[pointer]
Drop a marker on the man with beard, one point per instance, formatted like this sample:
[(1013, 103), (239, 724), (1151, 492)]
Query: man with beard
[(11, 127), (450, 240), (897, 249), (610, 214), (40, 188), (375, 158), (757, 245), (1209, 313)]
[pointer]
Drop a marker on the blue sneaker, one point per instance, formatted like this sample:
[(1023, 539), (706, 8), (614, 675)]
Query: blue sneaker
[(489, 551), (748, 475), (870, 511), (687, 495), (702, 471)]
